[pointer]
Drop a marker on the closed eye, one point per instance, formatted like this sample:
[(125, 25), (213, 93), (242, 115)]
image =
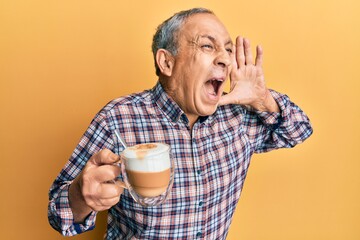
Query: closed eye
[(207, 46)]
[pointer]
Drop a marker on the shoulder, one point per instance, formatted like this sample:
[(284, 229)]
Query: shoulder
[(131, 101), (125, 109)]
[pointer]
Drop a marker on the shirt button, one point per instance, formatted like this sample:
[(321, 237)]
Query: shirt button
[(198, 172), (198, 235), (193, 140), (201, 203)]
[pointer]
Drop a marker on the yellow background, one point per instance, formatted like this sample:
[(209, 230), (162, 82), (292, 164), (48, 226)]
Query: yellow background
[(61, 61)]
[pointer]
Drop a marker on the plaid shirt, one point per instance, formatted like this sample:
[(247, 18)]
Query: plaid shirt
[(211, 162)]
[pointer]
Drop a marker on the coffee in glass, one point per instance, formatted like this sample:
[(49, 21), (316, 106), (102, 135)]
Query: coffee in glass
[(148, 172)]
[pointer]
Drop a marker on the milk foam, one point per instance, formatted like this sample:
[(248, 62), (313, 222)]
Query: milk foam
[(155, 158)]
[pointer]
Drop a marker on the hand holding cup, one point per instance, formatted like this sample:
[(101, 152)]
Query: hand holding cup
[(95, 188)]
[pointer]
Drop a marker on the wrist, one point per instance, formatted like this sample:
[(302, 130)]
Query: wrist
[(268, 104), (77, 202)]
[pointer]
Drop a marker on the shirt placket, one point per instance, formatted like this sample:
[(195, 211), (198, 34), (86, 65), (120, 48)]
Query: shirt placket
[(200, 188)]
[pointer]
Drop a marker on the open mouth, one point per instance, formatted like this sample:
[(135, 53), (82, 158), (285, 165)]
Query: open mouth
[(213, 86)]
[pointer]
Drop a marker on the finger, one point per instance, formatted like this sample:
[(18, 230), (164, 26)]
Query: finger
[(106, 173), (259, 56), (105, 156), (121, 185), (109, 202), (234, 61), (110, 190), (247, 51), (240, 56), (102, 204)]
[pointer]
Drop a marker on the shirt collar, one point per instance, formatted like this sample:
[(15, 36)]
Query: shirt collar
[(167, 104)]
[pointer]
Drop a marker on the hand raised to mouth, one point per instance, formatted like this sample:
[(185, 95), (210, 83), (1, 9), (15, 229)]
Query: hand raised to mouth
[(247, 81)]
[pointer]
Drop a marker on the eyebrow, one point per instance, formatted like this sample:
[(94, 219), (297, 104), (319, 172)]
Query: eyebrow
[(214, 39)]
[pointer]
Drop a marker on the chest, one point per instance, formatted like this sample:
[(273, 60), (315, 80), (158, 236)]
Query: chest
[(209, 155)]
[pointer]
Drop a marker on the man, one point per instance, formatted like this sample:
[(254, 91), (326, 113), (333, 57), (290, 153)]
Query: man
[(212, 136)]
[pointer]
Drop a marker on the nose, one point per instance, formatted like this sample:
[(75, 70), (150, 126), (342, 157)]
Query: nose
[(223, 59)]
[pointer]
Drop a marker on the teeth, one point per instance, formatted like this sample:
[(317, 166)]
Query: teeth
[(218, 80)]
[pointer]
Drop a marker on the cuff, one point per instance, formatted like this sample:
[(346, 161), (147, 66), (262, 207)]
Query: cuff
[(68, 226), (274, 119)]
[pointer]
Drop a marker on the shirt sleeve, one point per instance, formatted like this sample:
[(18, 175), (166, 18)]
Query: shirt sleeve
[(280, 130), (60, 216)]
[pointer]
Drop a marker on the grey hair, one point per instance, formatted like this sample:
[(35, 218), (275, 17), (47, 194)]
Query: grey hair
[(166, 33)]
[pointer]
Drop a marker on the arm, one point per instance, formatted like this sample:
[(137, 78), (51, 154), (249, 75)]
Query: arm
[(272, 130), (81, 187), (272, 121)]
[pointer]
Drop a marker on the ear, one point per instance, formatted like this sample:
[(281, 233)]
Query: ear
[(165, 62)]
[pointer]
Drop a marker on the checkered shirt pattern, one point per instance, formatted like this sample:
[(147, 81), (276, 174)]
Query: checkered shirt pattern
[(211, 161)]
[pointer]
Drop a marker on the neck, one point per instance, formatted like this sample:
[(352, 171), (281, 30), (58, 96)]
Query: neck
[(171, 92), (192, 121)]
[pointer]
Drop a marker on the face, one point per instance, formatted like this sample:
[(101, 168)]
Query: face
[(201, 66)]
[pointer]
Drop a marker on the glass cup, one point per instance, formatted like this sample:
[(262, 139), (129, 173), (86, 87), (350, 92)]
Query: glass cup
[(148, 172)]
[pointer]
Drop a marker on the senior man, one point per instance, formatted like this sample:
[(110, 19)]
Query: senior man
[(212, 136)]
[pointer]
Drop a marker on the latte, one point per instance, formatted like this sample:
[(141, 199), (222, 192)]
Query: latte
[(148, 168)]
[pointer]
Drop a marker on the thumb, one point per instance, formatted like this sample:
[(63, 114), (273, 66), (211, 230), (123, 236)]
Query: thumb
[(105, 156), (225, 100)]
